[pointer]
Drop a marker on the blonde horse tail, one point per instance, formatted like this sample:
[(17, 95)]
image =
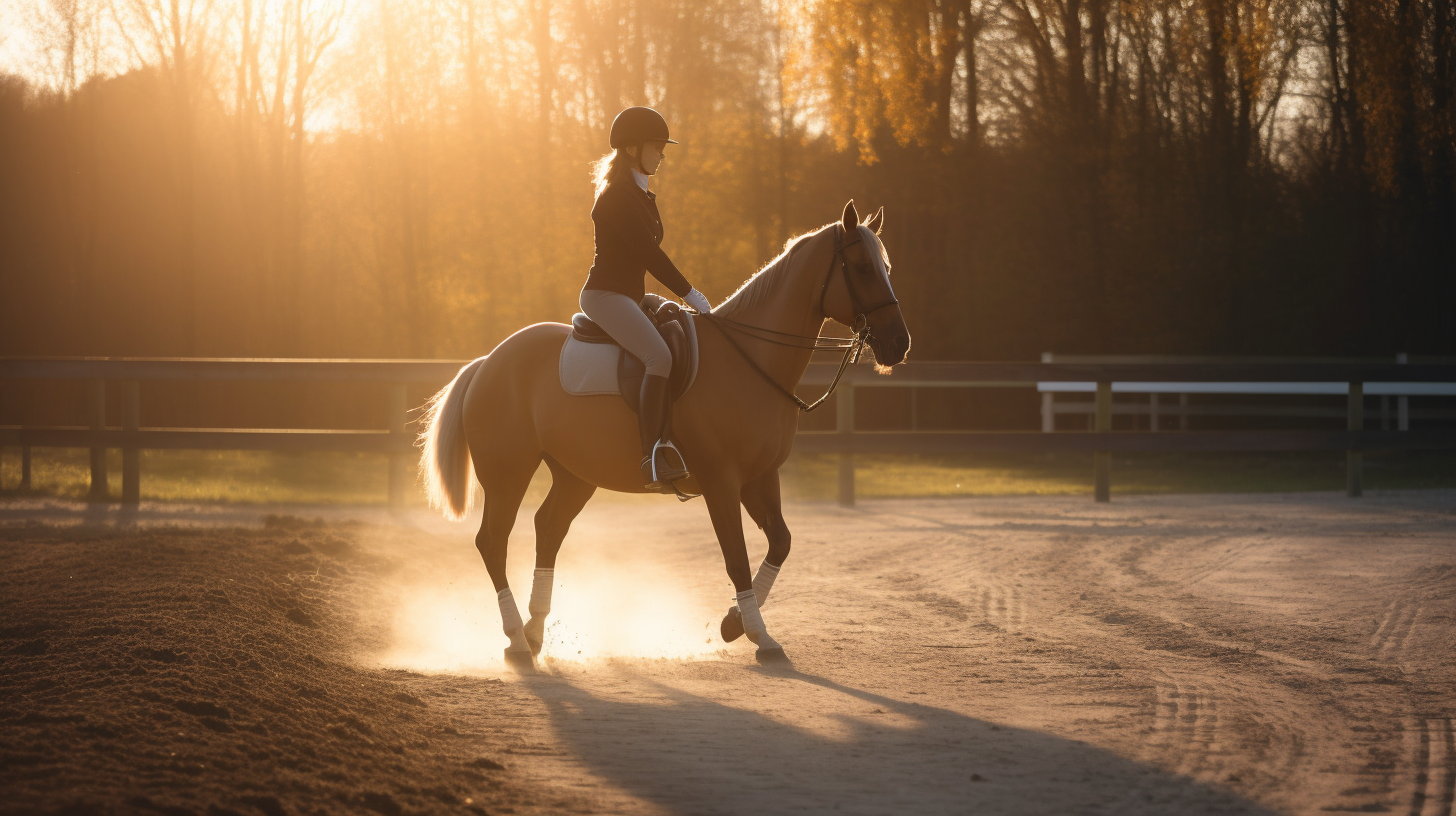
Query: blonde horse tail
[(444, 453)]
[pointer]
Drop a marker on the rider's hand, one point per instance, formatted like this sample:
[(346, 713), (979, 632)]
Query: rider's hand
[(698, 301)]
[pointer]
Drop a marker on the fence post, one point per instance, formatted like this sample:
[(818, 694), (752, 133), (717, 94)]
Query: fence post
[(1102, 460), (97, 395), (25, 468), (131, 457), (1402, 402), (844, 424), (1354, 459), (1048, 409), (398, 462)]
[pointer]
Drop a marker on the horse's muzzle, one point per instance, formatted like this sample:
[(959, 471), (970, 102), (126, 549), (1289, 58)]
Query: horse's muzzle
[(891, 349)]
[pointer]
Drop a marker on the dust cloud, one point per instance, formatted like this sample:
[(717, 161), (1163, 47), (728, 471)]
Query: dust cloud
[(611, 601)]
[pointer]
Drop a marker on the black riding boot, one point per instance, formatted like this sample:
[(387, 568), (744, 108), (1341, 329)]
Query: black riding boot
[(651, 422)]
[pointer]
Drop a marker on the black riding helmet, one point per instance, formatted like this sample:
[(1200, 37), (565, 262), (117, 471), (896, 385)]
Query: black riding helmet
[(636, 125)]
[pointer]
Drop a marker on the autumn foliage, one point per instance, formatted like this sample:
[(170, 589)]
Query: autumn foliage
[(387, 179)]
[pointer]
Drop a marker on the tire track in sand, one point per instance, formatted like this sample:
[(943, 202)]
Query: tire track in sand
[(1200, 733), (1185, 724), (1433, 749), (1394, 631), (1004, 607)]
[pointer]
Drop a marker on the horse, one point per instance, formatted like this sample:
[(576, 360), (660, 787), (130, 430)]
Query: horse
[(506, 412)]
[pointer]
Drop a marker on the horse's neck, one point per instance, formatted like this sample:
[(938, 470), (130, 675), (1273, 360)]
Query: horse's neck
[(793, 309)]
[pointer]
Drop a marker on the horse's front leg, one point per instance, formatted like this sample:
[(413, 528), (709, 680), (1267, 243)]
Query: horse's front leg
[(761, 498), (722, 500), (569, 494)]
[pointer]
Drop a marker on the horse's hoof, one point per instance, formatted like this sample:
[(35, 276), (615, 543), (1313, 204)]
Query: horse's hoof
[(771, 657), (521, 661), (535, 635), (732, 626)]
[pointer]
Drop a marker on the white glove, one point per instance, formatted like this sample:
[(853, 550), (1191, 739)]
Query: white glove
[(698, 301)]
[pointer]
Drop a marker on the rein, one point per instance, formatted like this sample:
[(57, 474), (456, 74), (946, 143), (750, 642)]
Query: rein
[(853, 346), (820, 343), (851, 355)]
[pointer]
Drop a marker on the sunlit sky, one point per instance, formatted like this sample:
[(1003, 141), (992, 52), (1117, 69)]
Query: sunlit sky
[(21, 52), (17, 49)]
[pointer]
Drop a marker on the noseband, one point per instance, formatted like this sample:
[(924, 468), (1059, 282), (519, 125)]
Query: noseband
[(852, 346)]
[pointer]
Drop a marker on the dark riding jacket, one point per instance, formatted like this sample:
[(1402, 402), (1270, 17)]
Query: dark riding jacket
[(628, 234)]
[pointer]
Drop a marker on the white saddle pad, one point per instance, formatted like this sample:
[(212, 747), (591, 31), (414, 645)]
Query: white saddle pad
[(588, 369)]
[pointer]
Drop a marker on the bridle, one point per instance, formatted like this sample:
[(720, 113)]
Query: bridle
[(852, 346), (861, 312)]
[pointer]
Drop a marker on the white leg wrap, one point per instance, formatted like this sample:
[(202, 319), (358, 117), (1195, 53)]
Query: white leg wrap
[(511, 622), (753, 625), (764, 581), (541, 583)]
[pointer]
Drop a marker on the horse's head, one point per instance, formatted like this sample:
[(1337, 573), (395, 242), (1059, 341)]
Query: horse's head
[(863, 289)]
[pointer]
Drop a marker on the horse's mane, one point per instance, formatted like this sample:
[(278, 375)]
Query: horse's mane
[(758, 286)]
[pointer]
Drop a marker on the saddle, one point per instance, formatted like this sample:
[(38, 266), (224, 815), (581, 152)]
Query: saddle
[(592, 362)]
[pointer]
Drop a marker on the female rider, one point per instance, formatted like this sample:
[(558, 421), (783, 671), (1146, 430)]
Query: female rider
[(628, 233)]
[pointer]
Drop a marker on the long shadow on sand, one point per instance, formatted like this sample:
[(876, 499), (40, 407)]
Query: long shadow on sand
[(813, 745)]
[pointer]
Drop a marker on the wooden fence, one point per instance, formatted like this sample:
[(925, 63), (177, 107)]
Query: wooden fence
[(1162, 402), (845, 441), (1102, 441), (131, 437)]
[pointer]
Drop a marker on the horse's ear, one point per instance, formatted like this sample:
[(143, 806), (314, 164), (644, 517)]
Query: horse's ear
[(876, 221), (851, 218)]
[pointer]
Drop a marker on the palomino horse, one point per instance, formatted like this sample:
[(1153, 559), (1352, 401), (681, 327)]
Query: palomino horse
[(506, 412)]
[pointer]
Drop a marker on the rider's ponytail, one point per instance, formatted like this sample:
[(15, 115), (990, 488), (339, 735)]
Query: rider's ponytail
[(614, 165)]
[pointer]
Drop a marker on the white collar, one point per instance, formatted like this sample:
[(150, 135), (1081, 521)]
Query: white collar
[(641, 178)]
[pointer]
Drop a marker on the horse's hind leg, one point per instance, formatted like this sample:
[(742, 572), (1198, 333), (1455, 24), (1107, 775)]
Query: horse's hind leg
[(505, 486), (568, 495), (761, 498)]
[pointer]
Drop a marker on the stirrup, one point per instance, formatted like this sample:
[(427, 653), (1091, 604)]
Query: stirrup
[(666, 481), (669, 473)]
